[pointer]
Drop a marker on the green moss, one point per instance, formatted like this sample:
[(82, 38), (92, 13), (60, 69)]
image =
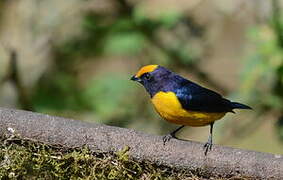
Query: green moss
[(26, 159)]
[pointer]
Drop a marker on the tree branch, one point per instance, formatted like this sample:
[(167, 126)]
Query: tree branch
[(185, 155)]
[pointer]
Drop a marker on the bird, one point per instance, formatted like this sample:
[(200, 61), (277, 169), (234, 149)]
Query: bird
[(183, 102)]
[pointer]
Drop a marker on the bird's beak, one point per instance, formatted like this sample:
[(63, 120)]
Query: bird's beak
[(134, 78)]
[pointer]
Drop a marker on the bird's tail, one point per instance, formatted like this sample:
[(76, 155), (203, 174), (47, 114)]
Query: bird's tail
[(236, 105)]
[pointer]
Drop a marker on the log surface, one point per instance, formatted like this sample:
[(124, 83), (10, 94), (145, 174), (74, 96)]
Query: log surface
[(188, 155)]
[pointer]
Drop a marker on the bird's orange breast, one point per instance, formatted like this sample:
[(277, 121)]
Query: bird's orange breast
[(169, 107)]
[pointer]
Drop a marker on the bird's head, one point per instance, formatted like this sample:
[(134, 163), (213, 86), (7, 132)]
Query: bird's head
[(153, 78)]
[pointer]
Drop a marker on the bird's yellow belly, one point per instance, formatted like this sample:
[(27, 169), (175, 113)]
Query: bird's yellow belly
[(169, 107)]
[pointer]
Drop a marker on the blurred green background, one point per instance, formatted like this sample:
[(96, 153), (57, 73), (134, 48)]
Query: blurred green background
[(75, 58)]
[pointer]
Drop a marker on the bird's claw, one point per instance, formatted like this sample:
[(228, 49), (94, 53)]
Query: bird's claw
[(166, 138), (207, 146)]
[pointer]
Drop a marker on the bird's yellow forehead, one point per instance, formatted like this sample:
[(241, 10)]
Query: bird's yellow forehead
[(146, 69)]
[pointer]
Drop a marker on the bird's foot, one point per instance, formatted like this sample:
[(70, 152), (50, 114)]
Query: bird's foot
[(207, 147), (167, 138)]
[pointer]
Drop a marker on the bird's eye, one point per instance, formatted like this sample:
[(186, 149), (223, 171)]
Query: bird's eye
[(147, 76)]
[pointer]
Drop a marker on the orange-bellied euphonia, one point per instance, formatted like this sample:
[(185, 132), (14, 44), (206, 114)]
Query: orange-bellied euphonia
[(183, 102)]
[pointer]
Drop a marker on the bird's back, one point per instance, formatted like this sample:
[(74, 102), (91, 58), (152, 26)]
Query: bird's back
[(197, 98)]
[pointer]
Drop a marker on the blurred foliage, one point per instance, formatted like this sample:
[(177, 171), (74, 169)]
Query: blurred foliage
[(59, 92), (262, 69), (109, 91), (262, 76), (109, 97), (279, 127)]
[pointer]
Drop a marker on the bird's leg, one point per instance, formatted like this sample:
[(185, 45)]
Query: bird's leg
[(167, 137), (208, 145)]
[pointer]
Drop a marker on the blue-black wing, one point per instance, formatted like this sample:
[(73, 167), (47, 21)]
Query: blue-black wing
[(197, 98)]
